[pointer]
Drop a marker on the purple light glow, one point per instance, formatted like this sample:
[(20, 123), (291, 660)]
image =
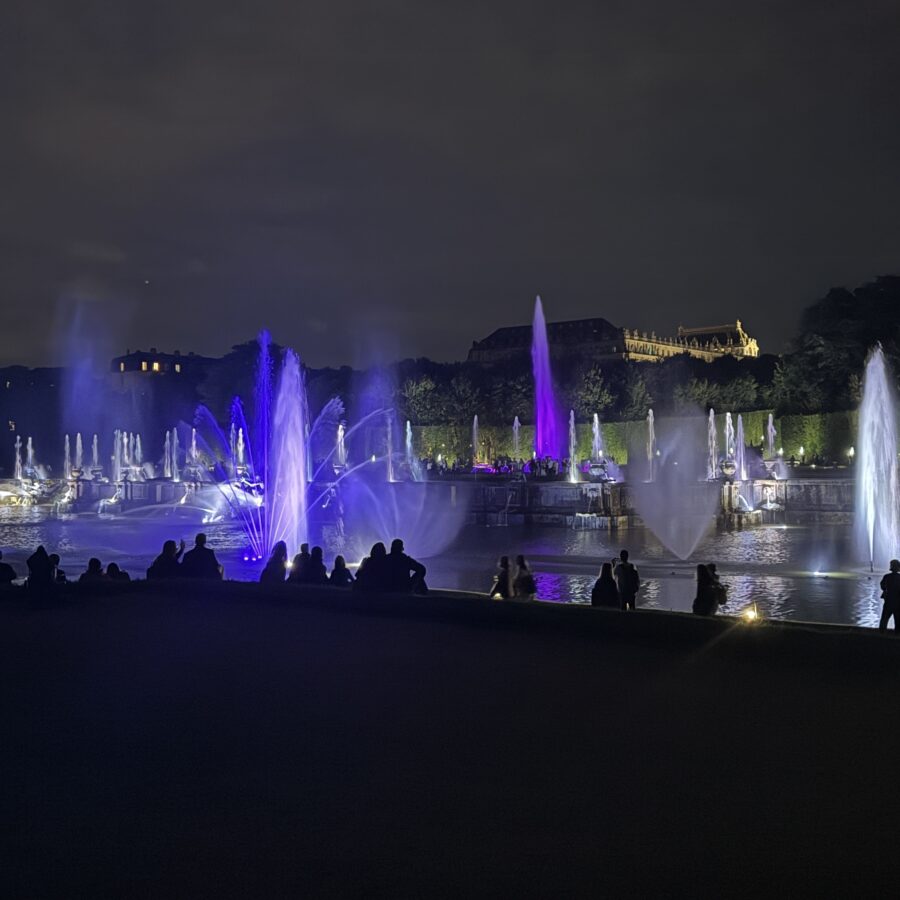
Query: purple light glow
[(547, 440)]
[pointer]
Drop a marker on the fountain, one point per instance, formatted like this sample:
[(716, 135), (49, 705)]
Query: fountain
[(176, 475), (516, 427), (17, 471), (475, 439), (596, 439), (546, 416), (412, 462), (79, 454), (679, 506), (340, 447), (167, 457), (712, 445), (29, 458), (877, 481), (95, 454), (67, 460), (729, 437), (770, 438), (651, 445), (389, 424), (573, 447), (740, 461)]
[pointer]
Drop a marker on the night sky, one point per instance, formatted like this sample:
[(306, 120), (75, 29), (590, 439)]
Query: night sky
[(377, 180)]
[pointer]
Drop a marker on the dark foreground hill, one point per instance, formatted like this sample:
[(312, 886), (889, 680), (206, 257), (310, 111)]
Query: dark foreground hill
[(224, 742)]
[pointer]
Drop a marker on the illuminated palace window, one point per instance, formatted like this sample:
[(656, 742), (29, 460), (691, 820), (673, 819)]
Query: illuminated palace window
[(156, 367), (177, 367), (121, 367), (144, 366), (12, 425)]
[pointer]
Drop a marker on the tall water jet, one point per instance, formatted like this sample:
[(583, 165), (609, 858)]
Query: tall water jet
[(167, 457), (573, 447), (412, 463), (17, 471), (79, 453), (389, 424), (729, 436), (67, 461), (546, 415), (176, 475), (29, 457), (877, 483), (95, 452), (596, 439), (241, 451), (740, 458), (770, 437), (194, 446), (516, 426), (138, 451), (475, 438), (116, 459), (712, 447), (340, 446), (232, 448), (651, 445), (286, 497)]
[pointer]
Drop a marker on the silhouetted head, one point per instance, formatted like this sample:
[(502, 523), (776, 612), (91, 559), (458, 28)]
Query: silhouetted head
[(316, 555), (624, 556), (112, 570), (53, 559), (378, 551), (712, 568), (95, 566), (304, 549), (703, 575), (606, 571), (169, 548), (200, 540), (895, 565), (520, 562), (396, 545), (279, 551), (504, 562), (340, 562)]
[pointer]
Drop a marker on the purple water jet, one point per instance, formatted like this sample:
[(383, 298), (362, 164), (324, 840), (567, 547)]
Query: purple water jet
[(547, 440)]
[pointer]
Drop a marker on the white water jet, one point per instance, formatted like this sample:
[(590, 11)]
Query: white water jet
[(29, 456), (116, 458), (389, 424), (740, 456), (167, 457), (573, 441), (596, 439), (877, 482), (67, 460), (241, 449), (138, 451), (95, 453), (770, 438), (712, 448), (475, 439), (412, 463), (194, 446), (17, 472), (340, 446), (176, 475), (729, 436), (515, 428), (79, 453), (651, 444)]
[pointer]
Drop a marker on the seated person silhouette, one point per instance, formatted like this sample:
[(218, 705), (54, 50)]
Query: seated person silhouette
[(340, 576), (404, 573), (7, 573), (373, 570), (94, 572), (201, 562), (167, 564), (114, 573)]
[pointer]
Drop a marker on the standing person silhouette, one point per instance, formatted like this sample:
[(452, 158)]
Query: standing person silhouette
[(502, 586), (7, 573), (606, 592), (628, 581), (890, 595)]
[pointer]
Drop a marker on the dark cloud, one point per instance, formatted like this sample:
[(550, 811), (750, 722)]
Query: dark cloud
[(409, 174)]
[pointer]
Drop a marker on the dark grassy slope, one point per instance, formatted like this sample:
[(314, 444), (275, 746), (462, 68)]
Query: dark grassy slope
[(236, 744)]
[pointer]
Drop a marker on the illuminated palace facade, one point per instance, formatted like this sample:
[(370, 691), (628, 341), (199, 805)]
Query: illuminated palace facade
[(600, 340)]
